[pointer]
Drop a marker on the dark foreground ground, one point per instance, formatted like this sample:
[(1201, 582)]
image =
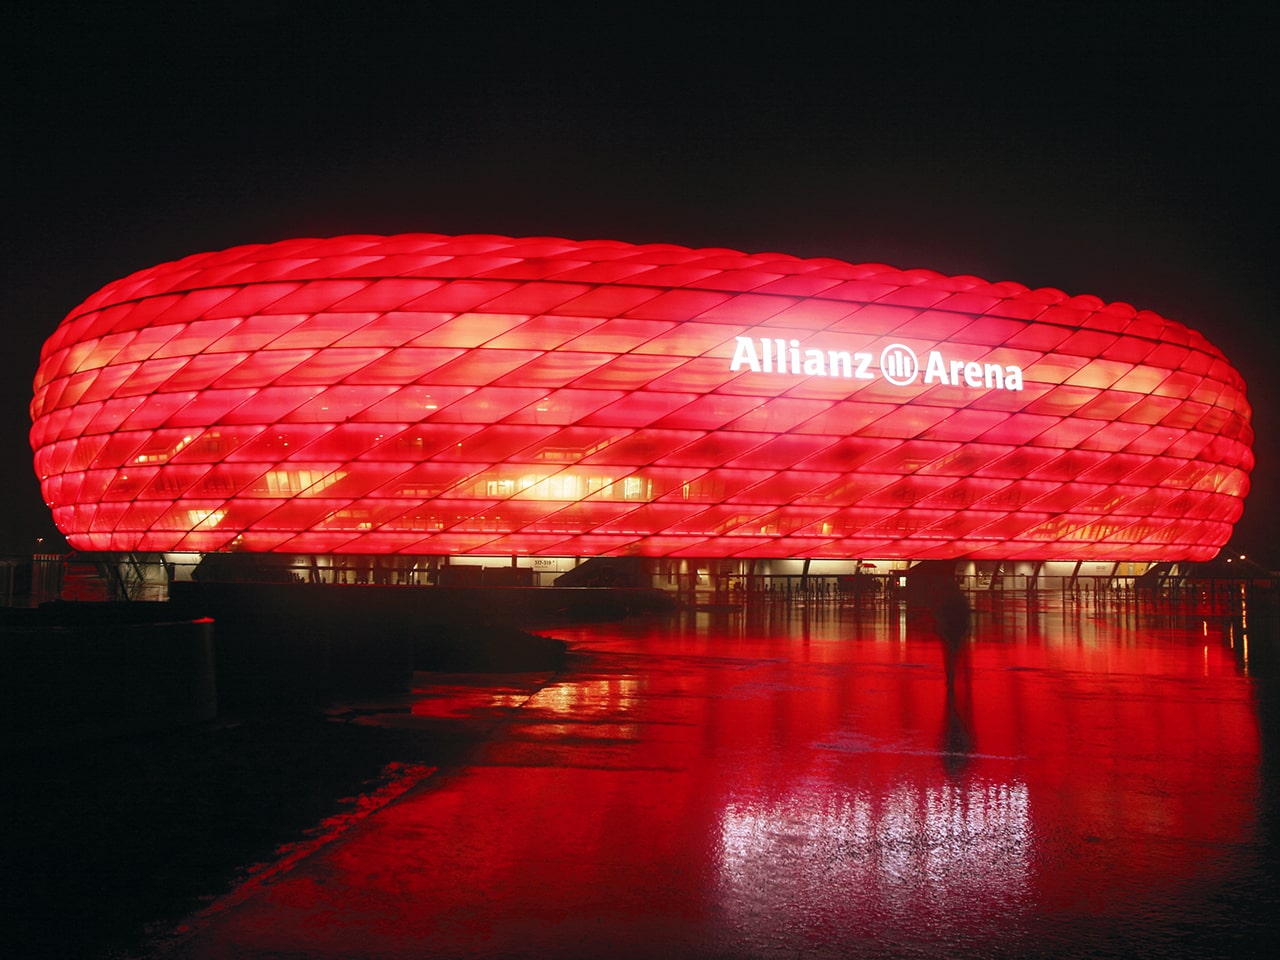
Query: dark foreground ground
[(1078, 782), (106, 843), (101, 840)]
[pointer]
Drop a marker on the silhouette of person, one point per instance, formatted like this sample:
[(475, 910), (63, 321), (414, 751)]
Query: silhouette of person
[(952, 622), (951, 619)]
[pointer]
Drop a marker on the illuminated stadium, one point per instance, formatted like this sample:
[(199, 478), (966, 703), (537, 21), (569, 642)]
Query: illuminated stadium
[(540, 400)]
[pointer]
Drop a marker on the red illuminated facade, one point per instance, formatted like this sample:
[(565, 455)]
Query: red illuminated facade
[(437, 395)]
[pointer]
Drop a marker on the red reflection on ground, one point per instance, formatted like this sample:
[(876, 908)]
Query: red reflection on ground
[(759, 784)]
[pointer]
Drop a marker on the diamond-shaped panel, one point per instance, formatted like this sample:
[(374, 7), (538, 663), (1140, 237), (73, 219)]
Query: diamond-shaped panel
[(431, 394)]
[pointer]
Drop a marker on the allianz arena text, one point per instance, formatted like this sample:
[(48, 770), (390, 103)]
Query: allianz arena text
[(483, 395)]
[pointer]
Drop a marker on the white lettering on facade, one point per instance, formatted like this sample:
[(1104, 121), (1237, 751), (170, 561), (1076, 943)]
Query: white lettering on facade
[(745, 354), (899, 365)]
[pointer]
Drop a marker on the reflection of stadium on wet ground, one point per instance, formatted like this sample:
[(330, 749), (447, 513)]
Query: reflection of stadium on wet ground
[(796, 779)]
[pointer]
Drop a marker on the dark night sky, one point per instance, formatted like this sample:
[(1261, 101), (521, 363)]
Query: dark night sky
[(1122, 152)]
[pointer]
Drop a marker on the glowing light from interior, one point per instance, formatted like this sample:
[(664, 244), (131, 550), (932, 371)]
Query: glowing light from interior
[(617, 399)]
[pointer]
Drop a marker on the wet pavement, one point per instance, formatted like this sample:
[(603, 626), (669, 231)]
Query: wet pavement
[(801, 782)]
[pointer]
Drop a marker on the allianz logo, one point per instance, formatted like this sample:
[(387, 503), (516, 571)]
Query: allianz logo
[(898, 364)]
